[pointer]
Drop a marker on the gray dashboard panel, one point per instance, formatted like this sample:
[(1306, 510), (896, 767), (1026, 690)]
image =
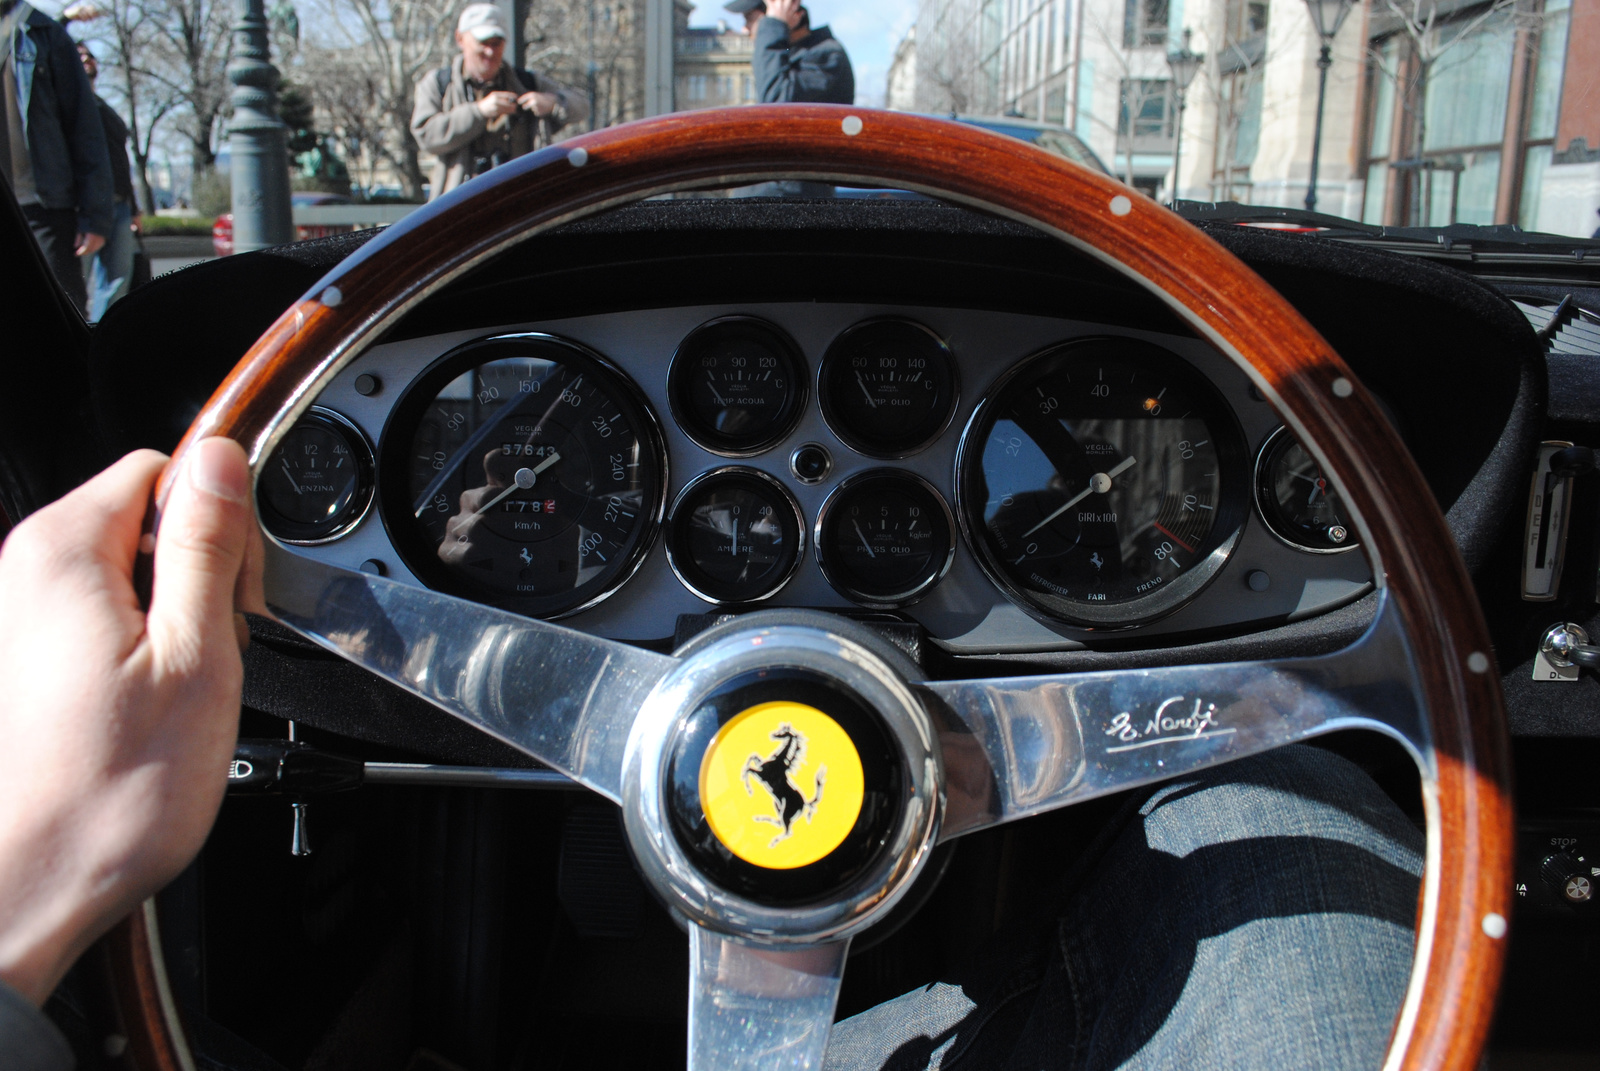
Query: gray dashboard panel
[(965, 612)]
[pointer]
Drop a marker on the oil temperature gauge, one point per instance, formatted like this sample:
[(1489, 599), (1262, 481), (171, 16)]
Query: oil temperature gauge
[(317, 483), (1297, 501), (736, 536), (884, 538)]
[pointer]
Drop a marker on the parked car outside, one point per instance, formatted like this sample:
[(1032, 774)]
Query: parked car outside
[(222, 229)]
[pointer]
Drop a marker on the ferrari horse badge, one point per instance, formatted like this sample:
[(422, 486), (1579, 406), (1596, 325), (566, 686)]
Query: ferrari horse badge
[(762, 779)]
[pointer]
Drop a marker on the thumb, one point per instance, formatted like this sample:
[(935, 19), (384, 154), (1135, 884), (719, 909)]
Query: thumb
[(200, 549)]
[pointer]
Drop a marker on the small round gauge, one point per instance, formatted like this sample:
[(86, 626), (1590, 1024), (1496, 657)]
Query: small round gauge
[(317, 482), (888, 387), (1296, 500), (523, 471), (737, 385), (735, 536), (1102, 482), (884, 538)]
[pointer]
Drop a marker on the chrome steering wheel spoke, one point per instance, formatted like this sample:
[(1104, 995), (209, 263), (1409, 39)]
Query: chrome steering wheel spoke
[(565, 698), (1014, 747), (754, 1008)]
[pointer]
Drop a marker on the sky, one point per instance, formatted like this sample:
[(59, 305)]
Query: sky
[(868, 29)]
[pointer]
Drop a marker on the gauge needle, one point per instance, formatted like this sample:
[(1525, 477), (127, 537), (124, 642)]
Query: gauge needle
[(290, 477), (713, 381), (872, 402), (522, 481), (1100, 483), (864, 544)]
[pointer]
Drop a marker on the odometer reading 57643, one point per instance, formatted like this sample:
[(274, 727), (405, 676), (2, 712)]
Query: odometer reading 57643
[(531, 475), (1099, 482)]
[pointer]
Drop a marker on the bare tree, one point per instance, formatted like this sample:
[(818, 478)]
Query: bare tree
[(1142, 80), (362, 60), (187, 55), (595, 47), (124, 29), (952, 75)]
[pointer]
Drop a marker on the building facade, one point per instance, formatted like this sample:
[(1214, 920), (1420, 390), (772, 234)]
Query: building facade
[(1097, 67), (711, 67)]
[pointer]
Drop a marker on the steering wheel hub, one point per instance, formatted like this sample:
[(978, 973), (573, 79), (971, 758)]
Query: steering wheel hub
[(783, 782)]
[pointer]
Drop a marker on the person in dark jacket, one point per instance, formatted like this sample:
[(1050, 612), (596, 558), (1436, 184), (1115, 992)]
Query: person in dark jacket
[(107, 273), (52, 146), (793, 64)]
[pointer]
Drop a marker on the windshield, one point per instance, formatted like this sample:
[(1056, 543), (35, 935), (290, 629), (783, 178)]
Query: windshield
[(1392, 113)]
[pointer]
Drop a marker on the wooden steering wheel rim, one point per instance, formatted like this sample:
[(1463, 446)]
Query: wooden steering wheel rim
[(1466, 892)]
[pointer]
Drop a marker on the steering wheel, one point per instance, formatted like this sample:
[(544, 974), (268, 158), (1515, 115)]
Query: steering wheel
[(932, 759)]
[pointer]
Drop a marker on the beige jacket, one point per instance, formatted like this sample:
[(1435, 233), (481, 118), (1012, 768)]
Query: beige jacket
[(448, 124)]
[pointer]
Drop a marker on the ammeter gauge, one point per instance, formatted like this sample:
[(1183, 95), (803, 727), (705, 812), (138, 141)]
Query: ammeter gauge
[(736, 536)]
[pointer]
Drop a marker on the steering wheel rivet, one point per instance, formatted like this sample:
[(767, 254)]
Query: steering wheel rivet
[(1494, 925), (1343, 388), (1121, 205), (852, 125), (578, 157), (1478, 662), (331, 297)]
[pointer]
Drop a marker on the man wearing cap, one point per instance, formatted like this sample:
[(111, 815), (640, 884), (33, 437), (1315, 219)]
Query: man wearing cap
[(794, 63), (479, 113)]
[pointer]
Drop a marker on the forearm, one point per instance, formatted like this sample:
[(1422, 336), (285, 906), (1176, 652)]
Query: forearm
[(443, 132)]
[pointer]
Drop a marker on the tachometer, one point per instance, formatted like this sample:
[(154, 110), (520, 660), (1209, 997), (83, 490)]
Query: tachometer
[(1100, 482), (523, 470)]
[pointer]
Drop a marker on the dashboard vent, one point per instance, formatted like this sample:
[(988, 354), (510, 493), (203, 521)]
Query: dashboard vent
[(1565, 328)]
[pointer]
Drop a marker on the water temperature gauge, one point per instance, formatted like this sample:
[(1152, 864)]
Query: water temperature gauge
[(736, 536), (1296, 499), (317, 483)]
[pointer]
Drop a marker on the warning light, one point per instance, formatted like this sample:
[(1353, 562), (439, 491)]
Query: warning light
[(1152, 406)]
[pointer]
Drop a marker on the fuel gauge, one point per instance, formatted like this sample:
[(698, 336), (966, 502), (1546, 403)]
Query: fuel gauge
[(1297, 501), (317, 483)]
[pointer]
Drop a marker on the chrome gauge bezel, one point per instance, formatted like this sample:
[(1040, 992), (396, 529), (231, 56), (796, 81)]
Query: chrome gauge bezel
[(1235, 498), (1258, 490), (782, 428), (431, 378), (834, 575), (903, 450), (366, 479), (674, 519)]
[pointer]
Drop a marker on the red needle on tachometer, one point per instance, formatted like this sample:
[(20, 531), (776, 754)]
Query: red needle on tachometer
[(1157, 526)]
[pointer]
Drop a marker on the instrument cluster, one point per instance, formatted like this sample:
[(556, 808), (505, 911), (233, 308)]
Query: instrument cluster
[(1008, 480)]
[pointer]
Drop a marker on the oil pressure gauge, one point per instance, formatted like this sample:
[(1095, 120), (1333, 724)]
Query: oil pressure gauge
[(317, 484), (884, 538), (1296, 499)]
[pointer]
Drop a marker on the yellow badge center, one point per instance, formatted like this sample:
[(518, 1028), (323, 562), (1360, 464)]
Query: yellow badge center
[(781, 785)]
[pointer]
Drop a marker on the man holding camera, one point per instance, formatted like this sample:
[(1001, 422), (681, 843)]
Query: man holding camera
[(479, 113)]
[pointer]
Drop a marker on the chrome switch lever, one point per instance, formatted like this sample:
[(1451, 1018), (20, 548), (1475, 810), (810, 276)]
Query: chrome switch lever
[(1565, 649)]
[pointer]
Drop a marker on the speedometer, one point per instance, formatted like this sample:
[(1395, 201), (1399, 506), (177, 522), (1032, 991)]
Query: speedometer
[(1101, 482), (523, 471)]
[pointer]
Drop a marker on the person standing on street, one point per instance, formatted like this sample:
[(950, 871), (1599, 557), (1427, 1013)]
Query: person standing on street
[(52, 146), (793, 63), (107, 273), (478, 113)]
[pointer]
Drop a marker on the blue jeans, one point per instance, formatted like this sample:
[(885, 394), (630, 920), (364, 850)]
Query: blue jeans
[(1258, 916), (106, 274)]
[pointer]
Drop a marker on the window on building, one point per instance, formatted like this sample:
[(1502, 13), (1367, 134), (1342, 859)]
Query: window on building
[(1146, 115), (697, 87), (1382, 74), (1549, 62), (1055, 102), (1144, 22), (1238, 133), (1244, 20)]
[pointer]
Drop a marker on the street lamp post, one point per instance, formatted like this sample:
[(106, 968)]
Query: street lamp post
[(256, 138), (1184, 65), (1327, 16)]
